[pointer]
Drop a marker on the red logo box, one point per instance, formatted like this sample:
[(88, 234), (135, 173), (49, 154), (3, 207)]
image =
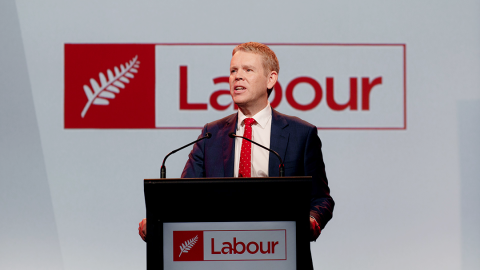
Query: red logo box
[(188, 246), (109, 86)]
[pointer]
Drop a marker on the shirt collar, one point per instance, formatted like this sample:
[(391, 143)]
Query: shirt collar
[(262, 117)]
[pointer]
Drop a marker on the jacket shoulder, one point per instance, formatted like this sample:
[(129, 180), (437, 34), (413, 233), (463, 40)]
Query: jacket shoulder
[(220, 123), (292, 120)]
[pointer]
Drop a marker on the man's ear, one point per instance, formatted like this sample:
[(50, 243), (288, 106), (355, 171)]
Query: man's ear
[(272, 79)]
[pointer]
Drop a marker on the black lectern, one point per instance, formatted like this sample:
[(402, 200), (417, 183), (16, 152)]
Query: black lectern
[(219, 207)]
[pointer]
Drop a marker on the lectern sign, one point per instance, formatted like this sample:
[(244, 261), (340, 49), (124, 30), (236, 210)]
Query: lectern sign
[(232, 244), (229, 245)]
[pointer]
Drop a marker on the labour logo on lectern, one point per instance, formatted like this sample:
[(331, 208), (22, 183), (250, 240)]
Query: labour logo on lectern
[(230, 245), (188, 246)]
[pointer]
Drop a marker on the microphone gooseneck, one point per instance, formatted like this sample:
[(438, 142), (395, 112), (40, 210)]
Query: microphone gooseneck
[(163, 169), (281, 167)]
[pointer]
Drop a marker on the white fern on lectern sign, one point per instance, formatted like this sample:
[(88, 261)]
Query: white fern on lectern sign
[(187, 245)]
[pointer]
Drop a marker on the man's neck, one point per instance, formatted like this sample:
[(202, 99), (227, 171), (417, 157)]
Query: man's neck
[(258, 116), (250, 111)]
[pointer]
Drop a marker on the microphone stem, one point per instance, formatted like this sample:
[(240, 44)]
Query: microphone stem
[(163, 169)]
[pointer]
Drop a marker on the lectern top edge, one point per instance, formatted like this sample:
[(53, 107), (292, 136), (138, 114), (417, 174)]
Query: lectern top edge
[(229, 179)]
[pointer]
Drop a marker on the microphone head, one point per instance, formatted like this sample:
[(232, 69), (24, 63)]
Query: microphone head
[(232, 135), (208, 135)]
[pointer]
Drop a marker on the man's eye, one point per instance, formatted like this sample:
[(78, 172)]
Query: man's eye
[(232, 71)]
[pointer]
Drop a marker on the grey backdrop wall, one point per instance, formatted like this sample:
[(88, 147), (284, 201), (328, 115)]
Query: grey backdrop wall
[(29, 238), (406, 198)]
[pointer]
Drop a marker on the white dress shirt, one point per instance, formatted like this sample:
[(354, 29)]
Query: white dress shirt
[(260, 134)]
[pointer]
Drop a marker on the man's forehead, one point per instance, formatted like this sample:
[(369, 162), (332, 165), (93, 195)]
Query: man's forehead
[(250, 56)]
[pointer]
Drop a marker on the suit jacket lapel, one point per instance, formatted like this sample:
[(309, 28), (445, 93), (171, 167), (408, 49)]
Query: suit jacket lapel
[(278, 142), (228, 145)]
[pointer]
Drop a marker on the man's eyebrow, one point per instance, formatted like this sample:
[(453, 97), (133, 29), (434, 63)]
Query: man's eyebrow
[(248, 66)]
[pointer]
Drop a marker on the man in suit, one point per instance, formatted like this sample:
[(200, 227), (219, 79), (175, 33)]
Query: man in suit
[(254, 71)]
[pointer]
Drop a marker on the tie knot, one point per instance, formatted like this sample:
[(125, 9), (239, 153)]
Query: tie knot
[(249, 121)]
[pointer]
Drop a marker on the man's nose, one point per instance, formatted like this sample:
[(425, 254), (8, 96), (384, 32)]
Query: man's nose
[(238, 76)]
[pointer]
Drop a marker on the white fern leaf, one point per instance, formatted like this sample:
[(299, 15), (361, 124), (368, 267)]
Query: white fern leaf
[(187, 245), (107, 94), (88, 91), (113, 89), (110, 75), (119, 84), (95, 86), (103, 80), (109, 87), (124, 79), (101, 101)]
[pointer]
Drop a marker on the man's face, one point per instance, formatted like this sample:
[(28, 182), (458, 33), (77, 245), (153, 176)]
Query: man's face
[(248, 82)]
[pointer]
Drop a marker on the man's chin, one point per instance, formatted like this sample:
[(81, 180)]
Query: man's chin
[(239, 102)]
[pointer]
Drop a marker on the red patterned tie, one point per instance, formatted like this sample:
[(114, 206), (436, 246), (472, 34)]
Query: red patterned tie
[(245, 168)]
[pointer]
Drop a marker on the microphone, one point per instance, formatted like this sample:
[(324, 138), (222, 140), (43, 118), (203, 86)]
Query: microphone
[(281, 167), (163, 170)]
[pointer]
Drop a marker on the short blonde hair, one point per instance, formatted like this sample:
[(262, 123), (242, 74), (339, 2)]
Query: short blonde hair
[(270, 61)]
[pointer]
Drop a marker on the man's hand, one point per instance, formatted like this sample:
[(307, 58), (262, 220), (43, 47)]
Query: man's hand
[(314, 229), (142, 229)]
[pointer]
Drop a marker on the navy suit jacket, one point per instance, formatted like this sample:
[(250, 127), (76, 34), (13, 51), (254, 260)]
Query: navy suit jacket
[(295, 140)]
